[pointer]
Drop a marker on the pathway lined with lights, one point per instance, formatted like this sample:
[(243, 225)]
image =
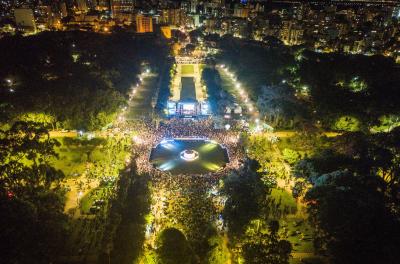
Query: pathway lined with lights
[(243, 99), (141, 95)]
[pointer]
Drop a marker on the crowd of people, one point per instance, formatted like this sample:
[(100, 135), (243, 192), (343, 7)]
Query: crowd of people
[(151, 133), (174, 195)]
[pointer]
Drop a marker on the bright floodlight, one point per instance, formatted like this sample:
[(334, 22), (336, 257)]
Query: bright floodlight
[(189, 155), (148, 71), (227, 126)]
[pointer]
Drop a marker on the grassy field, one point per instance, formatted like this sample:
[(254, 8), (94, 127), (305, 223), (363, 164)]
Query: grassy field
[(187, 69), (294, 228), (75, 153), (76, 156), (88, 200)]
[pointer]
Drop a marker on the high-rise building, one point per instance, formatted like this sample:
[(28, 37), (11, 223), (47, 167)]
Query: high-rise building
[(144, 24), (193, 6), (291, 34), (173, 16), (240, 11), (63, 9), (103, 5), (122, 6), (24, 19), (81, 6)]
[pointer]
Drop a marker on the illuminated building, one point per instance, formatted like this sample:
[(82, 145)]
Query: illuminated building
[(166, 31), (291, 34), (81, 6), (122, 6), (24, 19), (144, 24), (241, 12), (173, 16)]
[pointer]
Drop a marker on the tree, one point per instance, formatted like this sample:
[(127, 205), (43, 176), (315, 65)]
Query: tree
[(267, 248), (30, 197), (173, 248), (356, 222), (347, 123), (25, 153), (291, 156), (245, 192)]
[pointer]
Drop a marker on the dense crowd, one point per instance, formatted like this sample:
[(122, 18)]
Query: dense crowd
[(151, 133), (176, 194)]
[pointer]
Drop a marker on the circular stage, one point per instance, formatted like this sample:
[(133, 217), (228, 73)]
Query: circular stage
[(189, 156)]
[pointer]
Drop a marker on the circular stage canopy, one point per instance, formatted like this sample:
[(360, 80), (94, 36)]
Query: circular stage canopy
[(189, 156)]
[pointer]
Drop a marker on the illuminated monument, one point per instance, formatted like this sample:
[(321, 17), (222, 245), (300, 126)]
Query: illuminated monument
[(189, 97)]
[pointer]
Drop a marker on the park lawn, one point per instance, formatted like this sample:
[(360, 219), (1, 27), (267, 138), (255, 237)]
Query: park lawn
[(306, 146), (302, 241), (298, 230), (308, 260), (284, 199), (88, 200), (187, 69), (73, 158)]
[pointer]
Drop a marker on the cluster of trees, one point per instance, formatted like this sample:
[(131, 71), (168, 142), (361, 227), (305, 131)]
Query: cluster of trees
[(255, 63), (364, 94), (172, 247), (78, 79), (352, 190), (326, 89), (125, 235), (213, 82), (31, 199), (267, 248), (247, 201), (280, 107)]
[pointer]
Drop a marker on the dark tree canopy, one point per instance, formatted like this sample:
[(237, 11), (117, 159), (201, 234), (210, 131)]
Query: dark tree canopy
[(31, 202), (173, 248)]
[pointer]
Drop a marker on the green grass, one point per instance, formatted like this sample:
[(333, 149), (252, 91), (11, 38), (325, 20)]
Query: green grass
[(284, 200), (298, 230), (88, 200), (187, 69), (71, 159), (299, 233), (73, 155)]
